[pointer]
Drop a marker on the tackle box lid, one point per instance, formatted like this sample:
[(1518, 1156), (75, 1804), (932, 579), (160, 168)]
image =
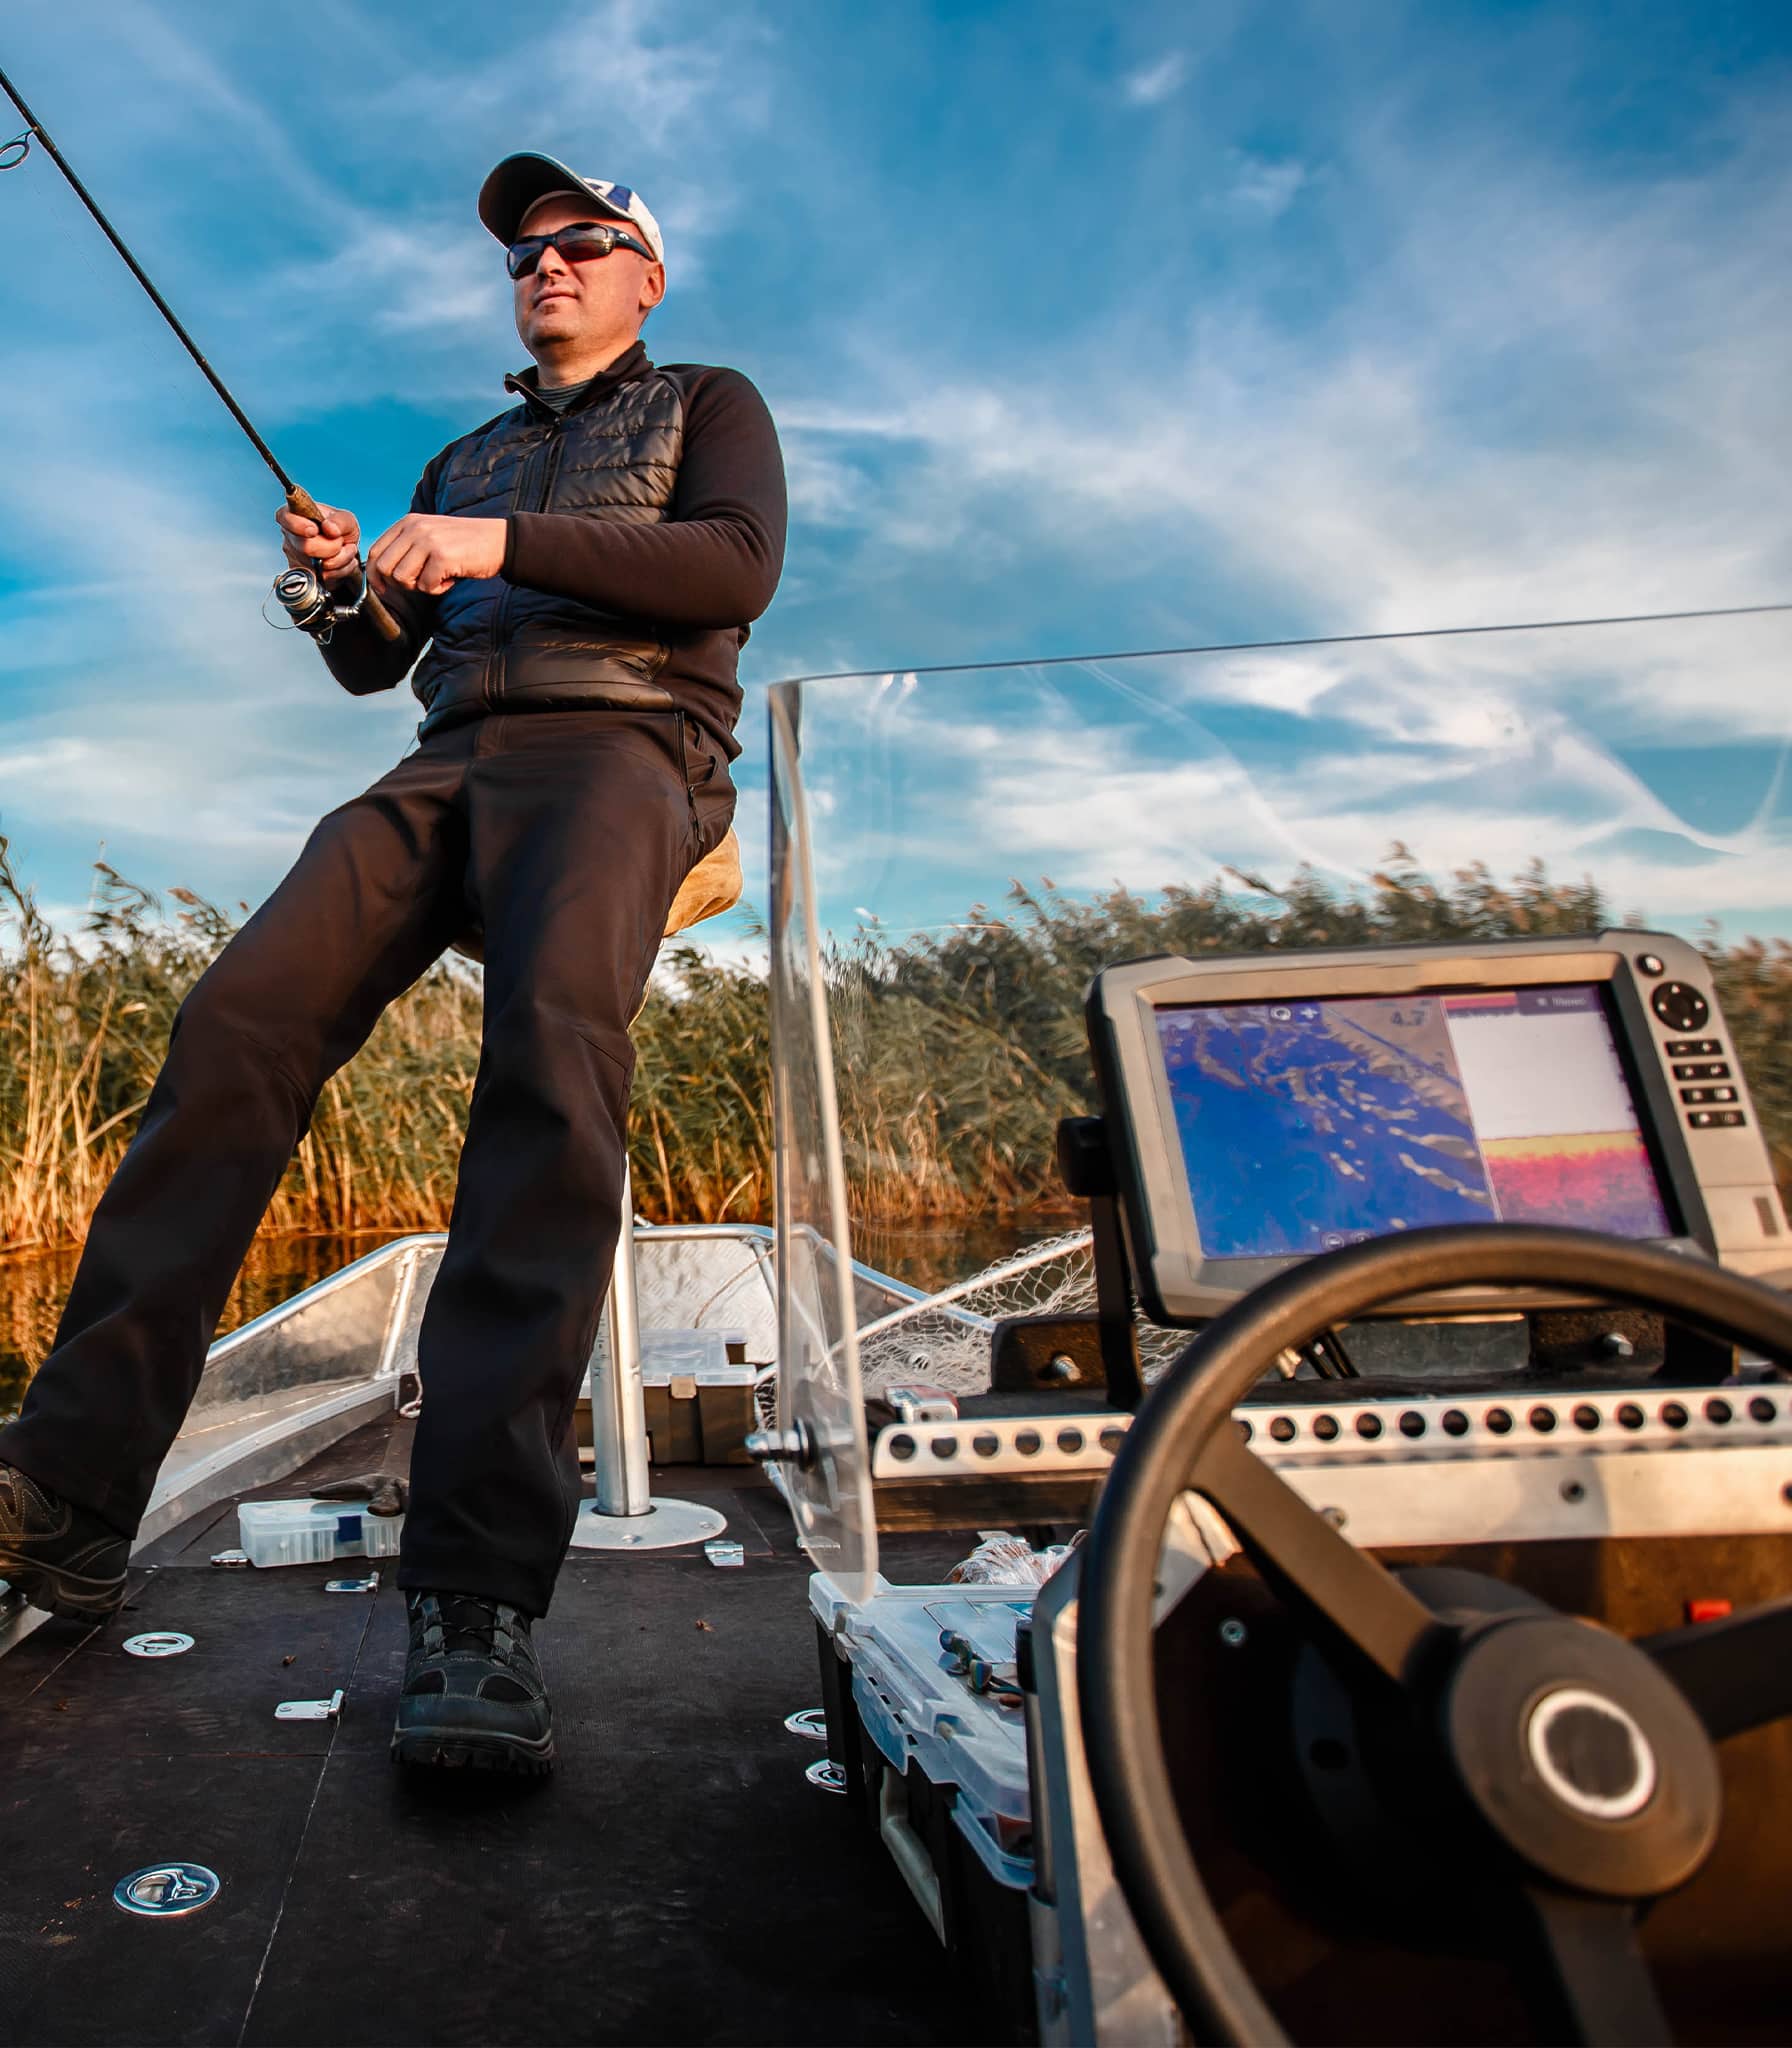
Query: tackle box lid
[(919, 1707), (699, 1355)]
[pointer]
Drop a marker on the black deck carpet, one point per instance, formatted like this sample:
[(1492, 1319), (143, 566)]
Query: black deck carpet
[(676, 1880)]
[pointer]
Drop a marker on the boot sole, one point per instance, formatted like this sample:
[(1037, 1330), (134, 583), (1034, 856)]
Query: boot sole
[(60, 1592), (433, 1749)]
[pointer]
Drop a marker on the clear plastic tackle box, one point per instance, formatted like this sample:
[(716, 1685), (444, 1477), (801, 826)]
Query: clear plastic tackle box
[(314, 1531)]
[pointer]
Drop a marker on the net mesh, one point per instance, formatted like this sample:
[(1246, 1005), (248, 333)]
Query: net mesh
[(945, 1338)]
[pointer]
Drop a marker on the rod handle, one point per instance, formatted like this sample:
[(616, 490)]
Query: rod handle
[(383, 623)]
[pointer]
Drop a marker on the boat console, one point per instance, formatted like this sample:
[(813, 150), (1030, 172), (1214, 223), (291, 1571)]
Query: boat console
[(1404, 1686)]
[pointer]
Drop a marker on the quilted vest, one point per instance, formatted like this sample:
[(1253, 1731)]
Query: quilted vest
[(500, 646)]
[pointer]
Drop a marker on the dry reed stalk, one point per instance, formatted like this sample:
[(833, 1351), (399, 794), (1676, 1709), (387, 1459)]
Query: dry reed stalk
[(955, 1057)]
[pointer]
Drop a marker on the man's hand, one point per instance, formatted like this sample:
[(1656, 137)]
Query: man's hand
[(428, 551), (333, 550)]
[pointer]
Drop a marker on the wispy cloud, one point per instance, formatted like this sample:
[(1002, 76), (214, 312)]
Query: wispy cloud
[(1153, 83), (1118, 775), (1550, 397), (1385, 354), (1265, 186), (419, 275)]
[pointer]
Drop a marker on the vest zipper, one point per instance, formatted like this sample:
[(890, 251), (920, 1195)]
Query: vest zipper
[(494, 667)]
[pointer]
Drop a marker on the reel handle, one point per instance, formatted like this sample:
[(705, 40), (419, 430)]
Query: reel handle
[(384, 624)]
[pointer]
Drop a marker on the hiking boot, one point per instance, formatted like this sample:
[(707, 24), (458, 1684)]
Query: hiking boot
[(58, 1556), (473, 1698)]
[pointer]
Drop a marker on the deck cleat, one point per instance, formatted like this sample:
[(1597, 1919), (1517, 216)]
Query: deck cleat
[(311, 1710)]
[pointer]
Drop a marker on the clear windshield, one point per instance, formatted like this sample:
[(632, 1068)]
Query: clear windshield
[(819, 1397), (982, 840)]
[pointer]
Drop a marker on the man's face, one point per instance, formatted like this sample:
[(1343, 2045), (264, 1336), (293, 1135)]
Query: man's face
[(590, 303)]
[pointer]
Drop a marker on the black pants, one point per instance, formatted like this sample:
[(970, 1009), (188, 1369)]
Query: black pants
[(566, 833)]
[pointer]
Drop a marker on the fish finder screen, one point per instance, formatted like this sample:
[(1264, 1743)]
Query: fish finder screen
[(1308, 1125)]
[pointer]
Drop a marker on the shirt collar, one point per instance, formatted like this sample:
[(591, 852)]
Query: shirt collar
[(632, 363)]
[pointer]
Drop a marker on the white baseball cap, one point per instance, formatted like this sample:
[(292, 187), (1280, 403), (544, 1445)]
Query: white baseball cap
[(519, 182)]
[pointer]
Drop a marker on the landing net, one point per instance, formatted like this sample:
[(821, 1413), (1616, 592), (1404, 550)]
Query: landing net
[(945, 1339)]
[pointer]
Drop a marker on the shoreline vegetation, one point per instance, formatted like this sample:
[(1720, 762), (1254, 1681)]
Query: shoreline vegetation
[(956, 1055)]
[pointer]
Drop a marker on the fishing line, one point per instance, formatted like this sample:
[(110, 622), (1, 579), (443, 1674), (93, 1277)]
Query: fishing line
[(299, 500), (950, 668)]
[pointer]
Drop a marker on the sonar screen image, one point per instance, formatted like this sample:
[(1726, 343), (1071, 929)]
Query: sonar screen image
[(1309, 1125)]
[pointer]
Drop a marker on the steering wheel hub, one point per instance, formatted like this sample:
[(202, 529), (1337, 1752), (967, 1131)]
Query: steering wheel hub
[(1581, 1757), (1590, 1753)]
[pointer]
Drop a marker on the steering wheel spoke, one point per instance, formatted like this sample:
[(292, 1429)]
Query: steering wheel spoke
[(1592, 1970), (1553, 1731), (1346, 1595), (1735, 1673)]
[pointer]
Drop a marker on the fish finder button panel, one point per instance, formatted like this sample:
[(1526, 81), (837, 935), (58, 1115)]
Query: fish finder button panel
[(1263, 1109)]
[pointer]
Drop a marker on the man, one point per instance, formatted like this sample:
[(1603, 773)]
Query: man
[(583, 570)]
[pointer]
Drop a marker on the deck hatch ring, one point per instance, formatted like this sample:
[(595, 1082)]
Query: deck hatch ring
[(164, 1642), (167, 1890)]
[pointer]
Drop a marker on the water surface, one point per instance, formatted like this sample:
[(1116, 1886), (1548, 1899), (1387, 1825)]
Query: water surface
[(34, 1287)]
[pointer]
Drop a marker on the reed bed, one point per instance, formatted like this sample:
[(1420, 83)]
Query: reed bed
[(956, 1056)]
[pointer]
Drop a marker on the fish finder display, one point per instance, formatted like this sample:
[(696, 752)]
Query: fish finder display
[(1308, 1125)]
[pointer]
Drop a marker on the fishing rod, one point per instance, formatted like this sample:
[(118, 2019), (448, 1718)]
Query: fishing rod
[(303, 595)]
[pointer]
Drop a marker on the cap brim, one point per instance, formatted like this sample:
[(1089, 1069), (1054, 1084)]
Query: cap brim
[(519, 181)]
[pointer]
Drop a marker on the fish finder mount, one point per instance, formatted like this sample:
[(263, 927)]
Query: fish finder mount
[(1051, 1353)]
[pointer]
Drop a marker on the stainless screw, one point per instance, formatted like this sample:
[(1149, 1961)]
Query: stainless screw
[(1060, 1369), (1232, 1632), (1334, 1518), (1616, 1345)]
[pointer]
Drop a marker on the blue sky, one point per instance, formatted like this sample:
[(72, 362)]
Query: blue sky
[(1086, 327)]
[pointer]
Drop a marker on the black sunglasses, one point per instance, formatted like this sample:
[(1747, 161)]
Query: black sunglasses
[(584, 242)]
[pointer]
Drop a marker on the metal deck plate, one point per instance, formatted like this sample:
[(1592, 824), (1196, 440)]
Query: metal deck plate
[(666, 1524)]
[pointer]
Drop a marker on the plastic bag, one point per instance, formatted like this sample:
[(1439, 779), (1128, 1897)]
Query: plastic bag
[(1004, 1560)]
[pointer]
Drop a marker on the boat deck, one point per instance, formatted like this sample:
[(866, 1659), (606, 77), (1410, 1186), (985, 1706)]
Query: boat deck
[(675, 1880)]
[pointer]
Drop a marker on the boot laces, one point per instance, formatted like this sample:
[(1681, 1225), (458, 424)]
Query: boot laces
[(468, 1623)]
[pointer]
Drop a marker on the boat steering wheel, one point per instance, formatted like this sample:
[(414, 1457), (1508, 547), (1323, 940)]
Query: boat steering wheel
[(1579, 1764)]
